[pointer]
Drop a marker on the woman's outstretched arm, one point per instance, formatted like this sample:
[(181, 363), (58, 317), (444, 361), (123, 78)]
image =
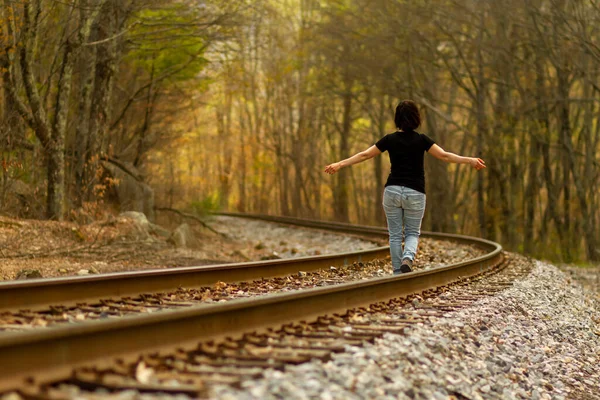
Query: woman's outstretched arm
[(355, 159), (443, 155)]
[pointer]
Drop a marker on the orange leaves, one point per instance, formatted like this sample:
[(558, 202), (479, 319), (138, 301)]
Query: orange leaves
[(6, 165)]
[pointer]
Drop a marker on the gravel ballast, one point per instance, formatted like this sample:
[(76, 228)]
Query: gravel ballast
[(273, 241), (540, 339), (287, 241)]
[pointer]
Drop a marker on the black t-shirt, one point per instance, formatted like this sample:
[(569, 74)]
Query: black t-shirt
[(406, 150)]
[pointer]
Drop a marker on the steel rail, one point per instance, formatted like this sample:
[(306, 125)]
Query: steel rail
[(51, 354), (356, 229), (37, 294)]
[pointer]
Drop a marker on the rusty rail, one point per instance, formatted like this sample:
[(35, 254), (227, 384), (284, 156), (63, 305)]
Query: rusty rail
[(51, 354), (38, 294)]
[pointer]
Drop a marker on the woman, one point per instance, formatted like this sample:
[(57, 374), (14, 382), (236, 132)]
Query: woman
[(404, 195)]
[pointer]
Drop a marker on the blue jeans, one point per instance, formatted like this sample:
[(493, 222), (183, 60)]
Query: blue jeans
[(404, 209)]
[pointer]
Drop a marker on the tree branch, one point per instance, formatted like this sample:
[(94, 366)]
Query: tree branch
[(190, 216)]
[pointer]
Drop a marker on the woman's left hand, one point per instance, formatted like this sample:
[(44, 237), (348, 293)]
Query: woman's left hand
[(477, 163), (333, 168)]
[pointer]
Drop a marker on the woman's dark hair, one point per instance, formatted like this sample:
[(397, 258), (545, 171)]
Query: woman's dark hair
[(407, 116)]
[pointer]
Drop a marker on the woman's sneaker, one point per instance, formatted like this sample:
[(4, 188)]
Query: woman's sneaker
[(406, 265)]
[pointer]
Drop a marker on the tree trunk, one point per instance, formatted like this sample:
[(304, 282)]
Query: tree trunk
[(341, 192), (481, 129), (565, 135), (547, 173), (100, 109), (83, 120), (55, 166), (241, 206), (439, 190), (531, 193), (379, 214)]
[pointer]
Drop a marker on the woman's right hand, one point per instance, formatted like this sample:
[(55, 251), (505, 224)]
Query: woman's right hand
[(333, 168), (477, 163)]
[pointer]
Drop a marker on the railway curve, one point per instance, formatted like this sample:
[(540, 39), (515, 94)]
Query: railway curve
[(52, 354)]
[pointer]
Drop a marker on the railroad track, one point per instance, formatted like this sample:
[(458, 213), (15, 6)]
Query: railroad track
[(29, 361), (39, 294)]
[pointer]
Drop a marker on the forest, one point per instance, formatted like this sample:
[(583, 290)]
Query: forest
[(203, 105)]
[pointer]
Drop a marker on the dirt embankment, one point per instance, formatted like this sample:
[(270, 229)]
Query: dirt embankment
[(121, 243)]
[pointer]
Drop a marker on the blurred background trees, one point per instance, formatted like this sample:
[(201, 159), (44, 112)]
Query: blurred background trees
[(240, 104)]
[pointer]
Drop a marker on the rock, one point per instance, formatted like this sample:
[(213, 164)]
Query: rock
[(93, 270), (138, 217), (29, 274), (100, 263), (83, 272), (131, 193), (259, 246), (440, 396), (11, 396), (301, 273), (21, 198), (140, 223), (182, 236), (240, 253), (62, 270), (143, 373), (159, 231), (78, 235), (273, 256)]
